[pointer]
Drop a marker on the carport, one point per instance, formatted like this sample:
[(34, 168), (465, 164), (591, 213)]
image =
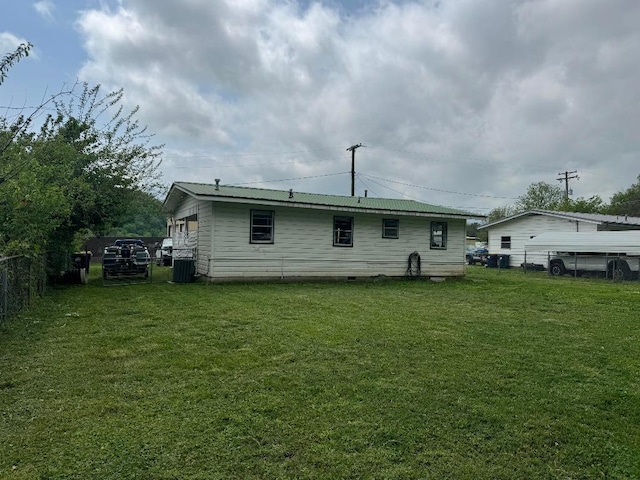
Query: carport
[(611, 245)]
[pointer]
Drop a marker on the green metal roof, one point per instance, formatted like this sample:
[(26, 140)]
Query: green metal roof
[(206, 191)]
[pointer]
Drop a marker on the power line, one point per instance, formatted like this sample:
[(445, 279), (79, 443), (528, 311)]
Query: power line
[(404, 194), (437, 189), (291, 179), (368, 188)]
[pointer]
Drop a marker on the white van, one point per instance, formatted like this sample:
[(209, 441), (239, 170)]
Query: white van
[(164, 254)]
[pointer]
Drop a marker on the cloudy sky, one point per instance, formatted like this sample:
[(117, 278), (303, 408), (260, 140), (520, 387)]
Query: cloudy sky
[(461, 103)]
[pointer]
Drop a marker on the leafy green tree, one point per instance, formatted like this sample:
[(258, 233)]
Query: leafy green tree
[(544, 196), (472, 231), (77, 174), (626, 202), (540, 196), (593, 204), (499, 213), (10, 59), (144, 218)]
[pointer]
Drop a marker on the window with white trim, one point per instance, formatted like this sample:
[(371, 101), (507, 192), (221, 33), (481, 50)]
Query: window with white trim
[(343, 231), (261, 226), (439, 235), (505, 242), (390, 228)]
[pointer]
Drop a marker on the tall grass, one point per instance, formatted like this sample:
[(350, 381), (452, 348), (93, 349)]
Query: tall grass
[(499, 375)]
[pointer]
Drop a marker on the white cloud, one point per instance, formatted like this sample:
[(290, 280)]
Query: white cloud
[(466, 96), (45, 9), (9, 42)]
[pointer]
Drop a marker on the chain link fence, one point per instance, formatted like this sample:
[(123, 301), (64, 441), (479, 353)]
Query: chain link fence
[(21, 279)]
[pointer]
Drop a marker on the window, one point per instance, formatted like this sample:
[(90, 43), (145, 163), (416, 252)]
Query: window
[(343, 231), (261, 226), (505, 242), (390, 228), (439, 235)]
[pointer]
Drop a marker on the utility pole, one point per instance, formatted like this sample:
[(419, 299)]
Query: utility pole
[(353, 149), (565, 177)]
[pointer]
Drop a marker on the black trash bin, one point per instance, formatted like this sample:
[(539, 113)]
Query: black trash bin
[(183, 270), (492, 261), (81, 260), (504, 261), (79, 269)]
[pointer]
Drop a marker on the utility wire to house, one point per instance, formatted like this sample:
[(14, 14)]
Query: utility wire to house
[(367, 187), (292, 179), (418, 199), (436, 189)]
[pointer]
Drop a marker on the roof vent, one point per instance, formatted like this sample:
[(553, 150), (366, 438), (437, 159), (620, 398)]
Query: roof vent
[(291, 193), (217, 184), (365, 193)]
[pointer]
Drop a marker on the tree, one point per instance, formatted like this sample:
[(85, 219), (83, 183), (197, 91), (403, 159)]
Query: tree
[(593, 204), (78, 173), (540, 196), (544, 196), (499, 212), (10, 59), (144, 218), (626, 202), (472, 231)]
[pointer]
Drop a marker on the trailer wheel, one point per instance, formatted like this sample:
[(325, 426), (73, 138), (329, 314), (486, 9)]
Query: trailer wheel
[(557, 268), (619, 270)]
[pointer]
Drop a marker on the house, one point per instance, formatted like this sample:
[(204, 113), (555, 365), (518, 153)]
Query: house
[(248, 233), (507, 236)]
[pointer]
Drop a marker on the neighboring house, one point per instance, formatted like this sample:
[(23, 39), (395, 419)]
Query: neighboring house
[(258, 233), (509, 235)]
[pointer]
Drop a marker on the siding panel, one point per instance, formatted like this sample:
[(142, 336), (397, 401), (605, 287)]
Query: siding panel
[(303, 246), (205, 224), (522, 229)]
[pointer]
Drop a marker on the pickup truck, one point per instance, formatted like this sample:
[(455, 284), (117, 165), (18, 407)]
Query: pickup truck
[(127, 256), (476, 255), (620, 267)]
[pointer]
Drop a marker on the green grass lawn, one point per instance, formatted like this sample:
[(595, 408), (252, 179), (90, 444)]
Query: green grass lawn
[(499, 375)]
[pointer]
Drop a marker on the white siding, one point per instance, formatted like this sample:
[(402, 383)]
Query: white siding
[(187, 208), (524, 228), (205, 229), (303, 246)]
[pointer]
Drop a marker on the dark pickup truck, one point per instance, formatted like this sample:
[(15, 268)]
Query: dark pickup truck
[(126, 256)]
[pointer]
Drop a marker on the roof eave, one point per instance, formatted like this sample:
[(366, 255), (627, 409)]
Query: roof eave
[(171, 201), (563, 215)]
